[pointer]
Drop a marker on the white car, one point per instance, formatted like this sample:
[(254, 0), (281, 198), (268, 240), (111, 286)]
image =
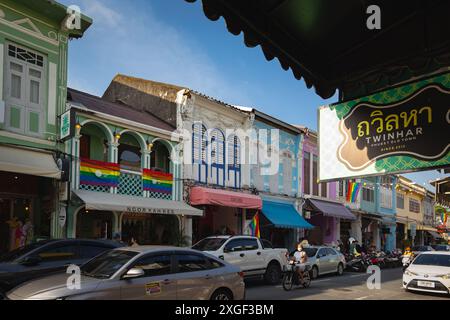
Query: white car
[(253, 256), (429, 272)]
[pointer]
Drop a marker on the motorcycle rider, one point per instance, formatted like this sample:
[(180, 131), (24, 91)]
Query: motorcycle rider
[(300, 258), (407, 257)]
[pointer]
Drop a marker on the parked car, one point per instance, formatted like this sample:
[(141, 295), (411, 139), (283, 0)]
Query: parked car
[(324, 260), (143, 273), (419, 249), (253, 256), (441, 247), (429, 272), (48, 256)]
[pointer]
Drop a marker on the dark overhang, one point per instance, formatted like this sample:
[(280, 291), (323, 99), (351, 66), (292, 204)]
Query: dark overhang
[(328, 44)]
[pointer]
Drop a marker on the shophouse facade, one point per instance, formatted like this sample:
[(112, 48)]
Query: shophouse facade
[(322, 206), (215, 176), (124, 178), (34, 40)]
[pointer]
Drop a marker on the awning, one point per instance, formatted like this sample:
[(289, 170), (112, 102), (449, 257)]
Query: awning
[(284, 215), (331, 209), (426, 228), (434, 234), (206, 196), (27, 161), (122, 203)]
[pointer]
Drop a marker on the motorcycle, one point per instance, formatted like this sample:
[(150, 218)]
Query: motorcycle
[(291, 277), (359, 263)]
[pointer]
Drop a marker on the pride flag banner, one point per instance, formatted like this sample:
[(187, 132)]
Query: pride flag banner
[(98, 173), (254, 226), (353, 189), (155, 181)]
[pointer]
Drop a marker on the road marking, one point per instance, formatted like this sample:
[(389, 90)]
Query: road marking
[(362, 298), (358, 275), (321, 280)]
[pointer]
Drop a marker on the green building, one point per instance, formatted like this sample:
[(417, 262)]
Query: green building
[(34, 40)]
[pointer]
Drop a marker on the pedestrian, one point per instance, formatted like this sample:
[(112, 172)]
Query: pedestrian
[(133, 242)]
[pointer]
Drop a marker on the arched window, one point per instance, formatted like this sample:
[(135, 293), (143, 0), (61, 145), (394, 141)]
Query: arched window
[(234, 161), (199, 149), (217, 156)]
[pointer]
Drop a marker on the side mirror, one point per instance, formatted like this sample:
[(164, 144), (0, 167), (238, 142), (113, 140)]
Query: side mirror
[(134, 273), (31, 261), (227, 250)]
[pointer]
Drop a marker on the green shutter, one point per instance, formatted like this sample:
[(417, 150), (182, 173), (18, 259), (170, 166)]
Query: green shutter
[(33, 122), (14, 121)]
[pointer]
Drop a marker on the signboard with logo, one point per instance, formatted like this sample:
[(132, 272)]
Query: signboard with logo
[(399, 130), (67, 125)]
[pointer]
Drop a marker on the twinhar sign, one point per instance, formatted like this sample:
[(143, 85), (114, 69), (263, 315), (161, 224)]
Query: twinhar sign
[(399, 130)]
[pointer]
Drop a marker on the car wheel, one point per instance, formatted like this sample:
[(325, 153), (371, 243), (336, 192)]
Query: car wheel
[(314, 272), (273, 274), (222, 294), (340, 269)]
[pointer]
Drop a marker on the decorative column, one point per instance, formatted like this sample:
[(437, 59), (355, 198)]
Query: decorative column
[(113, 156)]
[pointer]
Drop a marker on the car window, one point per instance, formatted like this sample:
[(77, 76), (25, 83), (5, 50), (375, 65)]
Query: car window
[(58, 253), (310, 252), (192, 263), (155, 265), (209, 244), (91, 251), (266, 244), (107, 264), (215, 264), (20, 252), (322, 252), (331, 252), (242, 245), (441, 260)]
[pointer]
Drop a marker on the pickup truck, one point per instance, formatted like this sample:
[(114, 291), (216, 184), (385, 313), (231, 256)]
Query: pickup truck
[(255, 257)]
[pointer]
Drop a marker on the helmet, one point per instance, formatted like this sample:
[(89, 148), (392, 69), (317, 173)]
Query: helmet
[(351, 240)]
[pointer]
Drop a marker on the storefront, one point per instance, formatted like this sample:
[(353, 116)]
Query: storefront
[(371, 231), (226, 212), (149, 221), (326, 216), (27, 196), (281, 223)]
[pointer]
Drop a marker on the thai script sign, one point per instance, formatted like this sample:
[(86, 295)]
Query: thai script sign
[(399, 130)]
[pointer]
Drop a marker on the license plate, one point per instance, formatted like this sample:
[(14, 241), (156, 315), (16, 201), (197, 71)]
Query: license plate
[(426, 284)]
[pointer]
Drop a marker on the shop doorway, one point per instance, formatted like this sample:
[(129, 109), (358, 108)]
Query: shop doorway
[(151, 229), (95, 225), (5, 232)]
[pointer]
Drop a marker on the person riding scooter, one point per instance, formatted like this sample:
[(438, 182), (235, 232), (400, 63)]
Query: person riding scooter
[(407, 258), (300, 258)]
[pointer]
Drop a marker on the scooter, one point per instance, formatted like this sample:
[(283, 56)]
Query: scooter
[(291, 278), (358, 264)]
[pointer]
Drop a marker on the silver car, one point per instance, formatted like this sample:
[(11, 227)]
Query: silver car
[(325, 260), (140, 273)]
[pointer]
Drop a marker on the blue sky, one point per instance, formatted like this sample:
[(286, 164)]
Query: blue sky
[(172, 41)]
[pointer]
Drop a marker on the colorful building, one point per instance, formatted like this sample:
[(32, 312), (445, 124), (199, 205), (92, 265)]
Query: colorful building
[(322, 206), (34, 39), (215, 176), (125, 179)]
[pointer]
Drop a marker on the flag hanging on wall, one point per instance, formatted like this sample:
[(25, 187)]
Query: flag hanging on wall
[(98, 173), (155, 181), (353, 189), (254, 226)]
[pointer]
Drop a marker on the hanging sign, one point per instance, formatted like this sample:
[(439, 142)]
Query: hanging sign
[(62, 217), (400, 130), (67, 125)]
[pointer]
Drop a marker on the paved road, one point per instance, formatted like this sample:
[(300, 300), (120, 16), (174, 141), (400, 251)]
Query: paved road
[(350, 286)]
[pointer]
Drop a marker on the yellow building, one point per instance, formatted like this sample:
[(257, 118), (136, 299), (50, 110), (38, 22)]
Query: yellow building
[(414, 224)]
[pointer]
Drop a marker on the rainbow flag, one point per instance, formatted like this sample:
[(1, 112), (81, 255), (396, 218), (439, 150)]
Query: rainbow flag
[(254, 226), (155, 181), (353, 189), (98, 173)]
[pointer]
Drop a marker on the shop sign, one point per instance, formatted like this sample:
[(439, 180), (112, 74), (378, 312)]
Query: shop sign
[(62, 217), (67, 125), (150, 210), (399, 130)]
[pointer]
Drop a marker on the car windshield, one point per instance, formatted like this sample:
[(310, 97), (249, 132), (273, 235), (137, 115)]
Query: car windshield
[(17, 253), (209, 244), (108, 263), (310, 252), (441, 260)]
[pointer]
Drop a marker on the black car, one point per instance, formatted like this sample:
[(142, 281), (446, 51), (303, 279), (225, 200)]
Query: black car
[(46, 257)]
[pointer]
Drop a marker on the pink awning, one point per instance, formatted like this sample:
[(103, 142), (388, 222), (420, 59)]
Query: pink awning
[(206, 196)]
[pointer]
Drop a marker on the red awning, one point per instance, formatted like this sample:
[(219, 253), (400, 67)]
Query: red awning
[(206, 196)]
